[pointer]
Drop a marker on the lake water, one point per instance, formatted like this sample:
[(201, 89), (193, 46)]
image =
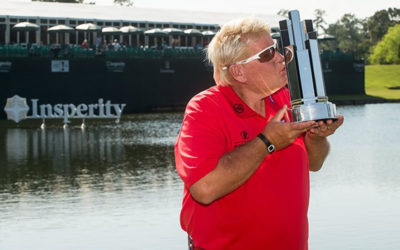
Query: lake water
[(115, 186)]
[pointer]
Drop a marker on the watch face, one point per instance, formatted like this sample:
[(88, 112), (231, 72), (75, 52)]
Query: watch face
[(271, 148)]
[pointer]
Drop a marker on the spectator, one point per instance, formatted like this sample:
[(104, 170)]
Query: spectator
[(85, 44), (116, 45)]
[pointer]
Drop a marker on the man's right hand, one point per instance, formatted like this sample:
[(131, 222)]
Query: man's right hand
[(281, 134)]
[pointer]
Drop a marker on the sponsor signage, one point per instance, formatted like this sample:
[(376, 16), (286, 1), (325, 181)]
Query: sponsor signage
[(17, 109), (59, 66), (115, 66), (167, 68), (358, 67), (5, 66)]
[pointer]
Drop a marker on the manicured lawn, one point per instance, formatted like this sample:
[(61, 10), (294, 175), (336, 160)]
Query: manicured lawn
[(383, 81)]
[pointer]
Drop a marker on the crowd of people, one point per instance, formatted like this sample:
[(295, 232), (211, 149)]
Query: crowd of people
[(115, 45), (104, 46)]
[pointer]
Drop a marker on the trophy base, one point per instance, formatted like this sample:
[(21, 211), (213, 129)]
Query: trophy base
[(314, 112)]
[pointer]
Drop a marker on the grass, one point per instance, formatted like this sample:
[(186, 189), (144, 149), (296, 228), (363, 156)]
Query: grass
[(382, 84), (383, 81)]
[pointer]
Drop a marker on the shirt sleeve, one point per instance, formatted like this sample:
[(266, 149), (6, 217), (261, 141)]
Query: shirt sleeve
[(201, 141)]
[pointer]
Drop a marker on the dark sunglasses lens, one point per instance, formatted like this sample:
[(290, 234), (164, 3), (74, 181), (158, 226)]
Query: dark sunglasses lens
[(288, 55), (267, 55)]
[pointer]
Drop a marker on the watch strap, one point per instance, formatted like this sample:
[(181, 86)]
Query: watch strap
[(268, 144)]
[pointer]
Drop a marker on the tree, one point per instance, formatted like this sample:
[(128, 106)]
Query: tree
[(124, 2), (379, 23), (283, 12), (319, 20), (351, 35), (387, 51), (358, 36)]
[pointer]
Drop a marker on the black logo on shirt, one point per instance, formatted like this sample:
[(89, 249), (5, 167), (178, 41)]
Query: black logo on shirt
[(244, 134), (238, 107)]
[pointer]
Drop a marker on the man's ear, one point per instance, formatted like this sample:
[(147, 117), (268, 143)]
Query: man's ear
[(237, 72)]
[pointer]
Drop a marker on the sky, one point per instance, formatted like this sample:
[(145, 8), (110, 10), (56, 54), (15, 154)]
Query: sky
[(335, 9)]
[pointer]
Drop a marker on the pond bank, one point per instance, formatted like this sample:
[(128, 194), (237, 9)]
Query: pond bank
[(359, 99)]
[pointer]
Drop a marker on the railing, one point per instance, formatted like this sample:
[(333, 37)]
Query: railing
[(75, 51)]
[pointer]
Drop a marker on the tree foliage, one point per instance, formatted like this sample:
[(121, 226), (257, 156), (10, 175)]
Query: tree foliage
[(124, 2), (379, 23), (387, 51), (351, 35), (358, 36), (319, 21), (283, 12)]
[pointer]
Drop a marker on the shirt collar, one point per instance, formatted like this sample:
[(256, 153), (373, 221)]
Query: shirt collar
[(238, 106)]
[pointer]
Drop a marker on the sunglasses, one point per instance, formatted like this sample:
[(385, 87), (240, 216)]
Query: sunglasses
[(288, 54), (266, 55)]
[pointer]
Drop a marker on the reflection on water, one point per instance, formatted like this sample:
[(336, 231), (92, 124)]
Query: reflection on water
[(98, 149), (355, 199), (104, 153), (115, 186), (107, 183), (60, 145)]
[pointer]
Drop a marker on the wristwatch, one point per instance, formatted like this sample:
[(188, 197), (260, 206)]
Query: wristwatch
[(270, 146)]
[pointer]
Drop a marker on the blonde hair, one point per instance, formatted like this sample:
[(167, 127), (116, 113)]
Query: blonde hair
[(231, 44)]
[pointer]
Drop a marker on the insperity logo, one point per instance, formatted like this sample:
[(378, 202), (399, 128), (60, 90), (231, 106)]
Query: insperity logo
[(17, 110)]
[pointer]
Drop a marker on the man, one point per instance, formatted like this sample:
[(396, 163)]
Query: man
[(245, 166)]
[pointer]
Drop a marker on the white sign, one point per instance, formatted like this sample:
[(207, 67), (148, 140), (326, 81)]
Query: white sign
[(115, 66), (17, 110), (167, 68), (5, 66), (59, 66)]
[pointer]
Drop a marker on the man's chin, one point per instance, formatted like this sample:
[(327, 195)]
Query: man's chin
[(278, 87)]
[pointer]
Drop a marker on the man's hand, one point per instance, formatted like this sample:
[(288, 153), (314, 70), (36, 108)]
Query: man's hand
[(325, 128), (281, 134)]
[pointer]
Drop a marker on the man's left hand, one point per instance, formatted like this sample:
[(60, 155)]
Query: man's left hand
[(325, 128)]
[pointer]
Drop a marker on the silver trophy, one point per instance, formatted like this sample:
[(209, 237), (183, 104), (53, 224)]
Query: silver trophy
[(303, 66)]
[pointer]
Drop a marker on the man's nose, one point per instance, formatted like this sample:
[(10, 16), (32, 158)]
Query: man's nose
[(278, 57)]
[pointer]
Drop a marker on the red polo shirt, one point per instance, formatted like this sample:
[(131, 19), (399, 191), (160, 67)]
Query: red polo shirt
[(269, 211)]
